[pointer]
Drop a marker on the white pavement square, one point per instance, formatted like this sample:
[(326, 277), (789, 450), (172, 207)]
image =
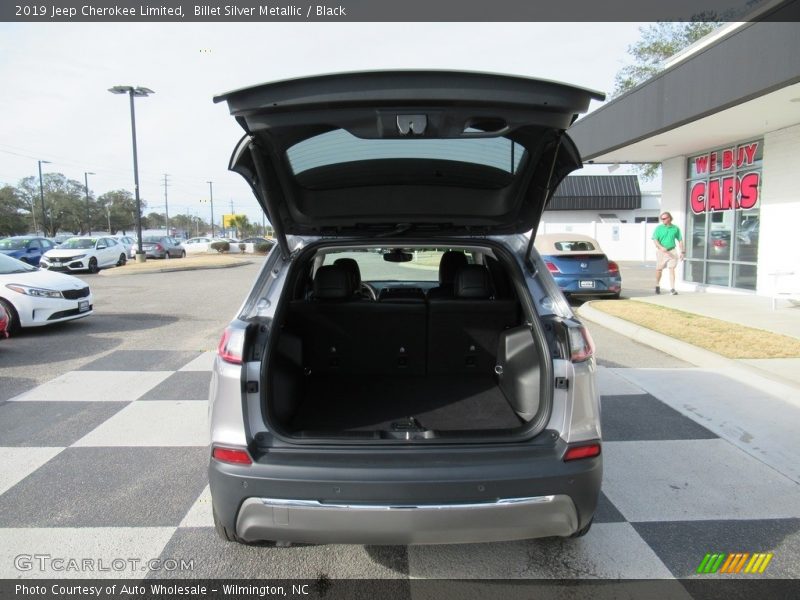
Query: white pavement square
[(153, 423), (18, 463), (95, 386), (204, 362), (200, 515), (761, 424), (609, 550), (689, 480), (610, 383), (110, 552)]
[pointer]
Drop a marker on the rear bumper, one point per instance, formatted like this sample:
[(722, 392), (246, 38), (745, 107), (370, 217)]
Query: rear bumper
[(373, 497), (506, 519)]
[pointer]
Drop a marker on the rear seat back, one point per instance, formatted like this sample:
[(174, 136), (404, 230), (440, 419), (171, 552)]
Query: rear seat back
[(343, 334), (463, 332)]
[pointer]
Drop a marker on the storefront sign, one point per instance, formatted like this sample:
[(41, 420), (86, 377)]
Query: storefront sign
[(730, 192)]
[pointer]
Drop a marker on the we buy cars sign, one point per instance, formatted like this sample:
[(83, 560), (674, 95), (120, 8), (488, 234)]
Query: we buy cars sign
[(725, 191)]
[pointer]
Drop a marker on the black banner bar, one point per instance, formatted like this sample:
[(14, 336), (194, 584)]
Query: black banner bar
[(396, 10)]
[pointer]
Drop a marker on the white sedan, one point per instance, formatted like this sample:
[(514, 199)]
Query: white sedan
[(33, 297), (85, 254)]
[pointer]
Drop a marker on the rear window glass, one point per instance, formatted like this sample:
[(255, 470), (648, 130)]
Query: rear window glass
[(340, 146), (574, 246), (424, 265)]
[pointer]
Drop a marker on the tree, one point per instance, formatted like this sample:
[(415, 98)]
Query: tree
[(119, 209), (14, 213), (659, 42), (64, 202), (242, 225)]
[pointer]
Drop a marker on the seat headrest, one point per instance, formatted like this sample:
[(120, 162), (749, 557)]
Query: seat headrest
[(472, 281), (332, 282), (351, 266), (449, 265)]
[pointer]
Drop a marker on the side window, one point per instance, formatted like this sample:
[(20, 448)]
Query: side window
[(34, 244), (110, 242), (46, 245)]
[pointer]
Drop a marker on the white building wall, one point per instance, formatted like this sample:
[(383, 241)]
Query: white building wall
[(778, 244)]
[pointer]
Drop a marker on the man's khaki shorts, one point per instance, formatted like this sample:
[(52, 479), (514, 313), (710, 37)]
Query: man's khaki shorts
[(667, 259)]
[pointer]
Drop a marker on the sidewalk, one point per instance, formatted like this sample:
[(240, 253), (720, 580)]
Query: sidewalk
[(747, 310)]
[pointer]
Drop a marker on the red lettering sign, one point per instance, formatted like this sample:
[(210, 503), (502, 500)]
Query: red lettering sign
[(701, 164), (741, 156), (728, 193)]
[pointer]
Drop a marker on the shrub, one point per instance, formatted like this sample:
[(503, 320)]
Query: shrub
[(221, 246), (263, 247)]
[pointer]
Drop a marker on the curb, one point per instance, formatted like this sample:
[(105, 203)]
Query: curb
[(746, 373), (176, 269)]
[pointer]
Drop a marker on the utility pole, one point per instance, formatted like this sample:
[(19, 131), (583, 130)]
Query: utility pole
[(166, 204), (88, 216), (211, 198)]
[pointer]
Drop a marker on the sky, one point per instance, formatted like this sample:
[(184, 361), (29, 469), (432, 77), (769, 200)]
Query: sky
[(54, 77)]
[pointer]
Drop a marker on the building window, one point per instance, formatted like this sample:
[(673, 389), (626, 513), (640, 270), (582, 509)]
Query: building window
[(723, 202)]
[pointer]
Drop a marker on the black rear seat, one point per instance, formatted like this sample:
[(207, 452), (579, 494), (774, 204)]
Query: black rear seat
[(344, 334), (463, 331)]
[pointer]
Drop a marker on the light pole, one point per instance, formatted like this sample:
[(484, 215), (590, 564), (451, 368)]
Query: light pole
[(132, 92), (88, 216), (41, 195), (211, 198)]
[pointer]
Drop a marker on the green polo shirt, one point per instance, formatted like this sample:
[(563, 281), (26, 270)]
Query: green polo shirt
[(667, 235)]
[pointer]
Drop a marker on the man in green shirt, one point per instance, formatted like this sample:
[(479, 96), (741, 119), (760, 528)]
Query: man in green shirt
[(666, 237)]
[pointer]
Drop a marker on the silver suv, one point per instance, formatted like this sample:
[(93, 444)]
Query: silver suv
[(404, 370)]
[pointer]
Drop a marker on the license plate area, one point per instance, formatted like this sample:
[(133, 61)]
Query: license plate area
[(83, 306), (586, 284)]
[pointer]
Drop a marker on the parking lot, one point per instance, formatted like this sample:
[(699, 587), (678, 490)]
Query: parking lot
[(103, 428)]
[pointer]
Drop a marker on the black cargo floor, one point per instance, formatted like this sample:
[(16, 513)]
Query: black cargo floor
[(444, 403)]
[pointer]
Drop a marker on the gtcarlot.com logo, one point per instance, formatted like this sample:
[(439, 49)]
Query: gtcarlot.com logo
[(48, 562), (735, 562)]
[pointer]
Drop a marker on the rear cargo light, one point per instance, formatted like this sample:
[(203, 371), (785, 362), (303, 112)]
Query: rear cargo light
[(613, 267), (231, 346), (551, 267), (577, 452), (581, 344), (233, 456)]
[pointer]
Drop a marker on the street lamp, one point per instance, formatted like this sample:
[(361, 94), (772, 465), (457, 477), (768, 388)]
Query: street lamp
[(132, 92), (88, 216), (41, 195)]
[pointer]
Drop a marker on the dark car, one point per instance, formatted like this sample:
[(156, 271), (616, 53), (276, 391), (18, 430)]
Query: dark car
[(579, 266), (28, 249), (367, 397), (258, 240), (162, 247)]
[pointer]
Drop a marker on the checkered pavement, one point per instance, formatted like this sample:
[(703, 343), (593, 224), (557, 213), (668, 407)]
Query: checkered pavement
[(110, 462)]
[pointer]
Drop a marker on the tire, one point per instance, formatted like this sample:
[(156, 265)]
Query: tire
[(93, 268), (13, 317), (583, 531), (122, 260), (230, 536)]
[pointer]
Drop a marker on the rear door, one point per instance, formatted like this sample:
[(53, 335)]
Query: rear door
[(405, 152)]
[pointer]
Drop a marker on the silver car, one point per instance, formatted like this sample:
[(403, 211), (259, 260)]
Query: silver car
[(405, 369)]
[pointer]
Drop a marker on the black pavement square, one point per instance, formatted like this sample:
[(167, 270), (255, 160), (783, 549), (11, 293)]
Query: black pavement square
[(606, 511), (645, 418), (141, 360), (215, 558), (682, 545), (52, 424), (181, 385), (108, 487)]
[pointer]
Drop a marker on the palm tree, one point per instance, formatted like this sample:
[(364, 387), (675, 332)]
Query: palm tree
[(242, 224)]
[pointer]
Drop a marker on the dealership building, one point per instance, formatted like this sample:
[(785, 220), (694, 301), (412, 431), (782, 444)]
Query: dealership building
[(723, 119)]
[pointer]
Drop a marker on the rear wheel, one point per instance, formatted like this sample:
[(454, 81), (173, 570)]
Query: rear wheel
[(13, 317), (93, 268), (122, 260)]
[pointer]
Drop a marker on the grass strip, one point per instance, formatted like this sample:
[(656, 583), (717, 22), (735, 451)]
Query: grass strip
[(724, 338)]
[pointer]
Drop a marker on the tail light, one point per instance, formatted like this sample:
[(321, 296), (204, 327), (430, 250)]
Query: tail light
[(551, 267), (613, 267), (232, 455), (578, 452), (231, 346), (581, 344), (159, 247)]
